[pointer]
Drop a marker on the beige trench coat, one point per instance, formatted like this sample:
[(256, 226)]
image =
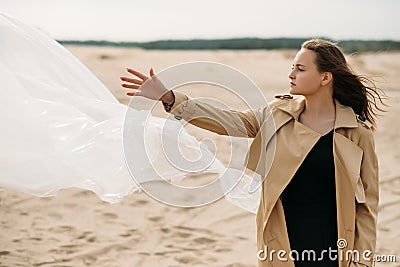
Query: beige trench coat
[(355, 161)]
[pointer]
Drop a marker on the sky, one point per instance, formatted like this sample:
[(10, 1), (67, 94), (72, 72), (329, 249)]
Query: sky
[(148, 20)]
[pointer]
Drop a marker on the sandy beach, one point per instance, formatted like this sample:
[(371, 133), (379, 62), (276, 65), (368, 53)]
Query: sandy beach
[(75, 228)]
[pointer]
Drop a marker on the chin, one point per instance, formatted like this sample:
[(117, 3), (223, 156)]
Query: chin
[(293, 91)]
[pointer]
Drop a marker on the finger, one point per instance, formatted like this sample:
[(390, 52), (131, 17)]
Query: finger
[(152, 75), (130, 80), (138, 74), (131, 86)]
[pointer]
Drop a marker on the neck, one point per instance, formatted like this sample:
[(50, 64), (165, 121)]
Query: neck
[(319, 105)]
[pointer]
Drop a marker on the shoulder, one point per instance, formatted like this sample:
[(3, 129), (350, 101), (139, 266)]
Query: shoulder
[(364, 136), (363, 122), (364, 128), (282, 100), (281, 106)]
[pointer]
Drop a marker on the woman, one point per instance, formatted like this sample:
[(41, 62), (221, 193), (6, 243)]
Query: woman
[(319, 199)]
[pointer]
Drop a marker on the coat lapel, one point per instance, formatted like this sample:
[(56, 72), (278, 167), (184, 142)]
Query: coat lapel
[(347, 157), (258, 157)]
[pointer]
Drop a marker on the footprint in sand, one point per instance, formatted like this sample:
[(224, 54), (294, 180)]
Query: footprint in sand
[(55, 215), (109, 215), (69, 249), (129, 233), (84, 235), (35, 239), (140, 202), (189, 260), (223, 250), (155, 218), (183, 235), (83, 193), (62, 229), (88, 236), (165, 230), (91, 239), (203, 240)]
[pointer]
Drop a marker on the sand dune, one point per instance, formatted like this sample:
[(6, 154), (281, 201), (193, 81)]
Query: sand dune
[(77, 229)]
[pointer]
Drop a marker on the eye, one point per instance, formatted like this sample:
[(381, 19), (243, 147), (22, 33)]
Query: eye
[(299, 68)]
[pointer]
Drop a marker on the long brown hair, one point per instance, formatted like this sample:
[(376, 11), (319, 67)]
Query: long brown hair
[(350, 89)]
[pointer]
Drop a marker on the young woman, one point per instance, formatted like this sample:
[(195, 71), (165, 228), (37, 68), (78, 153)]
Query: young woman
[(319, 199)]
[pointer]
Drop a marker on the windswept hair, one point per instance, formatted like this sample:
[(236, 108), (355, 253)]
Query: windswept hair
[(356, 91)]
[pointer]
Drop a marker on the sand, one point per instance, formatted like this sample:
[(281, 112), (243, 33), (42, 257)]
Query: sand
[(77, 229)]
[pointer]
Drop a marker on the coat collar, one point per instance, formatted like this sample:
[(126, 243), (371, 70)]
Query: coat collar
[(345, 116)]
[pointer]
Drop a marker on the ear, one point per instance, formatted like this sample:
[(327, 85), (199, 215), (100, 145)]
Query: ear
[(326, 78)]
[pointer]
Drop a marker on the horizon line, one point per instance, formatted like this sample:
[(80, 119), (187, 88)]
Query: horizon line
[(233, 38)]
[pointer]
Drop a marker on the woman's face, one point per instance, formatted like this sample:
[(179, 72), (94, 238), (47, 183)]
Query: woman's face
[(305, 79)]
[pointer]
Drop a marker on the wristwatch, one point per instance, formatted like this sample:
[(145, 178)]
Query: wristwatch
[(167, 106)]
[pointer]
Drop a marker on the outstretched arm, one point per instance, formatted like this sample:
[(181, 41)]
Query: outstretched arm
[(220, 121)]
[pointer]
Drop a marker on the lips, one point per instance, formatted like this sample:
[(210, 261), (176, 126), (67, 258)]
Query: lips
[(292, 84)]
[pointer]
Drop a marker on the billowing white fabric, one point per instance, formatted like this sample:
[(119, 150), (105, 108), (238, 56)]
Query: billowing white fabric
[(62, 128)]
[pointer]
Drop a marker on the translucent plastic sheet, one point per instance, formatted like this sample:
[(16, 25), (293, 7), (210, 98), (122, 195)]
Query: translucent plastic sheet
[(62, 128)]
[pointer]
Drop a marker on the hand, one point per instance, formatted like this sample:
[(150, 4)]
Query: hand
[(148, 87)]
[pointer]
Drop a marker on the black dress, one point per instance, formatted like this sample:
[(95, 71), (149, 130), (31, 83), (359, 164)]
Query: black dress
[(309, 203)]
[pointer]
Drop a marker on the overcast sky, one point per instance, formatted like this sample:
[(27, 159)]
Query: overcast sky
[(145, 20)]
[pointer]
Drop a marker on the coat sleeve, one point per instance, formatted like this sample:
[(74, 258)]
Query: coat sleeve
[(367, 208), (220, 121)]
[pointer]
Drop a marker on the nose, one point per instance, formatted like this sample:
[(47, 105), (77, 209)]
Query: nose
[(291, 75)]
